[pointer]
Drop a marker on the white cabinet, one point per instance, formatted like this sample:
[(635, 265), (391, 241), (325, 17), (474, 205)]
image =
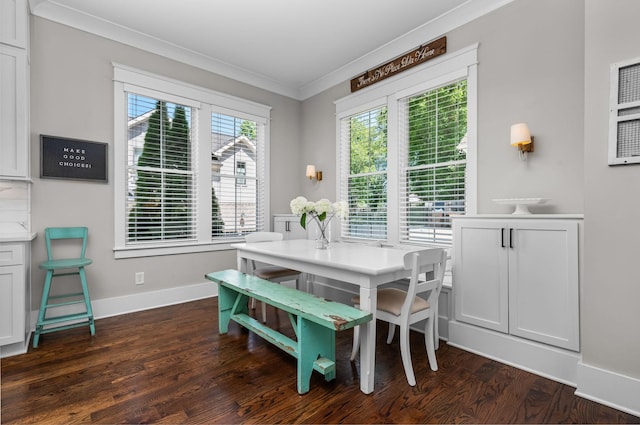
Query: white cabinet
[(289, 226), (12, 294), (14, 143), (14, 89), (518, 276), (13, 23)]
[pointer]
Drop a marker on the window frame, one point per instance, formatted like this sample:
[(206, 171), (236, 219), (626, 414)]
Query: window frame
[(454, 66), (127, 79)]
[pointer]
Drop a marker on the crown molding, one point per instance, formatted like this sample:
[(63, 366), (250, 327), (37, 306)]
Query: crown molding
[(472, 9)]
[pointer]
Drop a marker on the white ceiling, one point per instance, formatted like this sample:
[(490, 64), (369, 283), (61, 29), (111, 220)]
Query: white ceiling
[(297, 48)]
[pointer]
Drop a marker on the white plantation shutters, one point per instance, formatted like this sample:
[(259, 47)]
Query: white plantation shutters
[(432, 165), (160, 176), (364, 173)]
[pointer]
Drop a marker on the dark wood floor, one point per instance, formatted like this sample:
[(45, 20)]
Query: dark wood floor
[(169, 365)]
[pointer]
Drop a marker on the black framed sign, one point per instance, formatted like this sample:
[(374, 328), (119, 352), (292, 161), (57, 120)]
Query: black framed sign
[(63, 158)]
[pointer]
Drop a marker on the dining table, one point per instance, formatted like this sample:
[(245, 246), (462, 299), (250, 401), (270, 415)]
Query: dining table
[(360, 264)]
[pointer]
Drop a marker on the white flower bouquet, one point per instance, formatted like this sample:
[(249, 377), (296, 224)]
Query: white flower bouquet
[(321, 212)]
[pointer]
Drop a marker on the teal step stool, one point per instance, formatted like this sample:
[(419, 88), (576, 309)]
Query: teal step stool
[(64, 267)]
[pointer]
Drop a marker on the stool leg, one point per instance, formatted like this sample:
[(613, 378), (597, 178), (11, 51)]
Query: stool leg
[(43, 307), (87, 300)]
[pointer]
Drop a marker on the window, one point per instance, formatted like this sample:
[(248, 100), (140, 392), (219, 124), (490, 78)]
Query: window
[(432, 162), (189, 166), (160, 177), (236, 178), (407, 153)]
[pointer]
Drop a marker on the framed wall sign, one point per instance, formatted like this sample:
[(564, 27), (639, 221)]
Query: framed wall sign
[(63, 158)]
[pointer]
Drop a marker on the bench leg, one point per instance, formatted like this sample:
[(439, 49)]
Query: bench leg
[(314, 341), (229, 302)]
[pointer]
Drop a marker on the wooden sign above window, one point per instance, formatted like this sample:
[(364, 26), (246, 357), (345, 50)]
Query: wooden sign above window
[(402, 63)]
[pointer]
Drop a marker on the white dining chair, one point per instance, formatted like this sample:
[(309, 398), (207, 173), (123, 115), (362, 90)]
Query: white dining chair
[(404, 307), (268, 272)]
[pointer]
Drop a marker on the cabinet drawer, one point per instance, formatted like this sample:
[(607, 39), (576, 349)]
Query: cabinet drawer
[(11, 255)]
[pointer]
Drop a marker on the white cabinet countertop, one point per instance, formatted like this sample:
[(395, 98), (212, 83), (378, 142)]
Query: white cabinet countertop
[(15, 232)]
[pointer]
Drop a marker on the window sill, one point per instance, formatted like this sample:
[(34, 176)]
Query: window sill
[(156, 251)]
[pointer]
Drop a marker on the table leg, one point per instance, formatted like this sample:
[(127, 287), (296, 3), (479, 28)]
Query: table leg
[(242, 263), (368, 302)]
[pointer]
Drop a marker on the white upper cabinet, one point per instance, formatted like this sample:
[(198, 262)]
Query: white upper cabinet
[(14, 23), (14, 90)]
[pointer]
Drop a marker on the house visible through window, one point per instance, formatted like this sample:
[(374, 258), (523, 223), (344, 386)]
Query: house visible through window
[(160, 204), (189, 171), (235, 177)]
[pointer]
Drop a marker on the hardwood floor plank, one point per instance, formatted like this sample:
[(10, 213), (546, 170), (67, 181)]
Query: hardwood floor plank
[(170, 365)]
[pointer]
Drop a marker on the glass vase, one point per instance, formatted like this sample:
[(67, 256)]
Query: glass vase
[(323, 235)]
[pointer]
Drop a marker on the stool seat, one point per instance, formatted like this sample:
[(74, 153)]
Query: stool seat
[(64, 267), (67, 263)]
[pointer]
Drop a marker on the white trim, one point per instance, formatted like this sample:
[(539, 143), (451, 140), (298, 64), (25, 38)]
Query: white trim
[(204, 101), (455, 18), (116, 306), (428, 31), (550, 362), (444, 65), (453, 66), (609, 388)]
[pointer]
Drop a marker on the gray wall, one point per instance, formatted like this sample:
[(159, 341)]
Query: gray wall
[(610, 284), (72, 96), (532, 68)]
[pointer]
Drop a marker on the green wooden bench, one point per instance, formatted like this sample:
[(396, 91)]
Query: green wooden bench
[(314, 320)]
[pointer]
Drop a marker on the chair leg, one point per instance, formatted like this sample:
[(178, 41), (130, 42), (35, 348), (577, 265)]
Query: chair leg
[(430, 344), (43, 307), (392, 332), (87, 300), (436, 330), (264, 312), (356, 342), (405, 351)]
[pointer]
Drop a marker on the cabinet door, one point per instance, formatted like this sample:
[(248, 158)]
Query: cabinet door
[(290, 227), (13, 22), (543, 282), (13, 112), (12, 301), (480, 284)]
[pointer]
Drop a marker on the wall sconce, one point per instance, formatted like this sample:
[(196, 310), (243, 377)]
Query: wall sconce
[(313, 174), (522, 138)]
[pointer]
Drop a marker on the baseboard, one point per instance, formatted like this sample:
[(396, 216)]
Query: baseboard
[(131, 303), (550, 362), (609, 388)]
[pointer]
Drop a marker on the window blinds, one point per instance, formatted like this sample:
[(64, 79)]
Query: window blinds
[(364, 174), (160, 178), (432, 163), (237, 174)]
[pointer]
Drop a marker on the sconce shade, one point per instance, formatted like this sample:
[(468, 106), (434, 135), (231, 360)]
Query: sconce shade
[(311, 171), (520, 134)]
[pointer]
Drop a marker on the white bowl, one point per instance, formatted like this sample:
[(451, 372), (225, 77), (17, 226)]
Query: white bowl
[(521, 204)]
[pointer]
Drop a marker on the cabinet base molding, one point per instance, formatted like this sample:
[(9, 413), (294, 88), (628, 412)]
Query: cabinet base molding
[(16, 348), (609, 388), (549, 362)]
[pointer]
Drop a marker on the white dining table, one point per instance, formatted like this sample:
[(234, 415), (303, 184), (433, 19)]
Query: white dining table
[(359, 264)]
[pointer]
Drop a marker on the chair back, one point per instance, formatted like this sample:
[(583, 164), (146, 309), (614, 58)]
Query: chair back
[(421, 263), (56, 233), (263, 237)]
